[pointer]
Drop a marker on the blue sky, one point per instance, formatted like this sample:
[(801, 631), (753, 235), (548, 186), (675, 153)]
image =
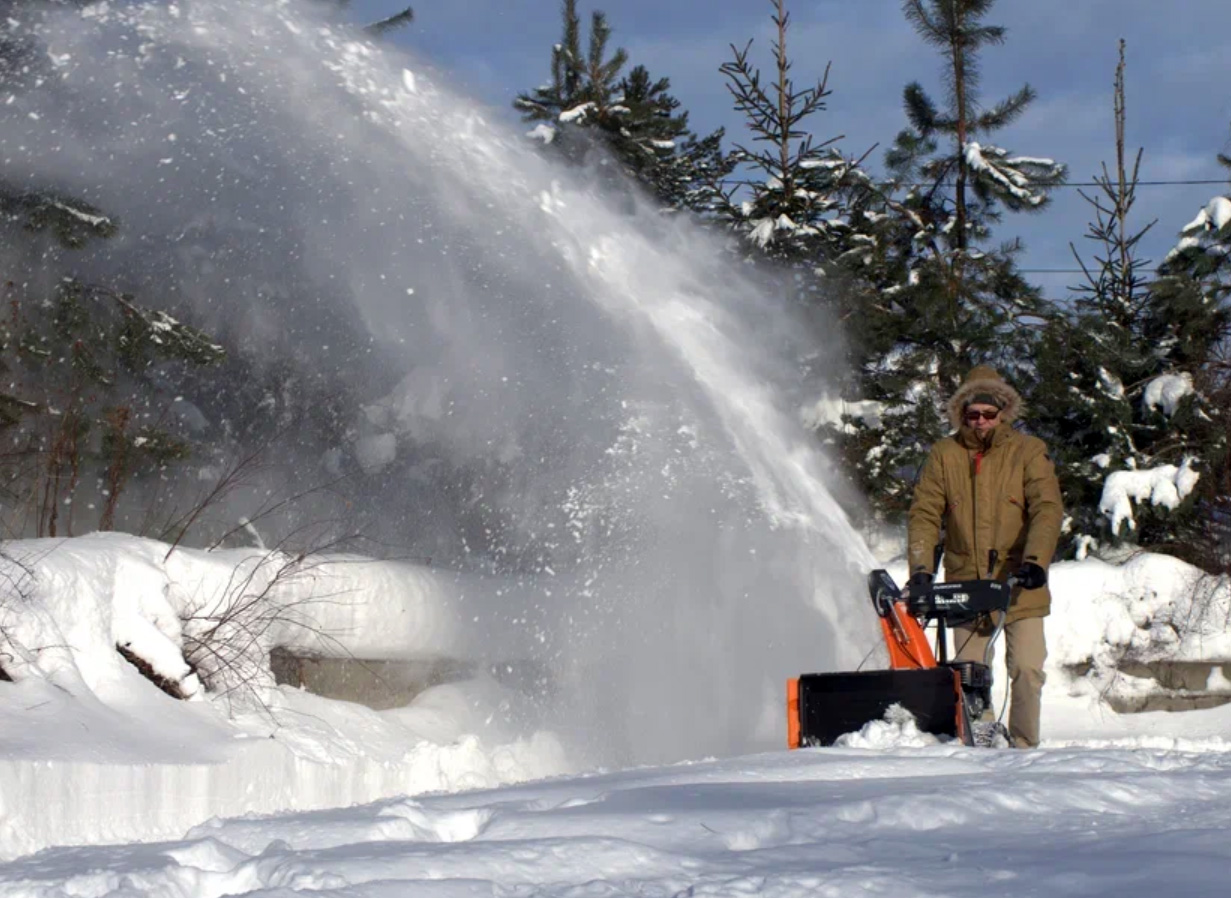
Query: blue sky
[(1178, 81)]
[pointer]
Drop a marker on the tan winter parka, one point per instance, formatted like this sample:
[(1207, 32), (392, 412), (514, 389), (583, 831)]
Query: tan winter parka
[(1001, 494)]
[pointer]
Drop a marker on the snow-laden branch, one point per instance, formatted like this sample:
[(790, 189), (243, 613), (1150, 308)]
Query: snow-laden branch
[(577, 113), (1166, 486), (838, 412), (1208, 233), (1018, 179), (1166, 391)]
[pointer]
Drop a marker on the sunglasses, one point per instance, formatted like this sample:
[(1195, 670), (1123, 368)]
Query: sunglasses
[(986, 416)]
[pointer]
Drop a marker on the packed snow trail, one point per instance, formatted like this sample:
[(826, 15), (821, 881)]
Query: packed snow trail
[(937, 820)]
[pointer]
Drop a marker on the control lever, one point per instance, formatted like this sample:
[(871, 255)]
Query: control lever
[(942, 644), (992, 557)]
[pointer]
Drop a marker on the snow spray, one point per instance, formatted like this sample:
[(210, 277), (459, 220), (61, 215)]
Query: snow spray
[(638, 485)]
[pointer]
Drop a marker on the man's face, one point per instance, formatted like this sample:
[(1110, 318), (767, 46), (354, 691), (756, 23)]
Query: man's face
[(981, 418)]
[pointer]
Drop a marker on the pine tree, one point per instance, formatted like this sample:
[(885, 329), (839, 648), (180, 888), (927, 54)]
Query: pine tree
[(984, 175), (81, 414), (794, 209), (657, 147), (1200, 264), (590, 114), (1094, 360), (1194, 281), (80, 410), (383, 26), (958, 185), (1188, 323), (943, 299), (1117, 396), (849, 246), (40, 208)]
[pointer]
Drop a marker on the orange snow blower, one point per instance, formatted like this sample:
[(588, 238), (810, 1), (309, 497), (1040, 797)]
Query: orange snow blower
[(946, 698)]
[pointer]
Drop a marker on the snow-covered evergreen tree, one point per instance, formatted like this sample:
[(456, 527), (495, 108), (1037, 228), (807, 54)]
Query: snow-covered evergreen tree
[(1118, 391), (1203, 254), (1189, 325), (957, 186), (631, 119), (944, 298), (795, 193), (81, 411), (38, 207), (80, 408)]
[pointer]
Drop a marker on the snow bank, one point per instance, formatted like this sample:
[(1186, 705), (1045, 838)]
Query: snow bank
[(91, 750), (1153, 607), (69, 603), (151, 770), (1118, 635)]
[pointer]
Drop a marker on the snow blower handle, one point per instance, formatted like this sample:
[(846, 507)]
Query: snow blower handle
[(1013, 580)]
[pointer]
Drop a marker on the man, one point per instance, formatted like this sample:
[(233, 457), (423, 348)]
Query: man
[(994, 492)]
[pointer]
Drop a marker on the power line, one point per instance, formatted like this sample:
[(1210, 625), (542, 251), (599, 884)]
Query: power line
[(1178, 183), (1144, 183)]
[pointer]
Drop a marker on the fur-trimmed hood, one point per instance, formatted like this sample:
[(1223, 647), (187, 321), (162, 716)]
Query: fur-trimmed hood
[(985, 379)]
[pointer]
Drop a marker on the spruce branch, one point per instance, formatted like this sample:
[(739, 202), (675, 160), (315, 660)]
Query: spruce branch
[(397, 20)]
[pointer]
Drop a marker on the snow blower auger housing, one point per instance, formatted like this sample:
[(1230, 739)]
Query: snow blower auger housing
[(947, 698)]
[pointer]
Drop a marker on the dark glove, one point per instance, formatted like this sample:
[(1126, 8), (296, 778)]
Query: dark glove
[(1031, 576), (919, 583)]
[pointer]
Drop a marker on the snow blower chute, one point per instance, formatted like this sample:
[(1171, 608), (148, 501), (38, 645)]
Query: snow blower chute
[(947, 698)]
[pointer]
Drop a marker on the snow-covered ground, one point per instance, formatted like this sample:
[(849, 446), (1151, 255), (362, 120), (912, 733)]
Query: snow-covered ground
[(901, 822), (228, 795)]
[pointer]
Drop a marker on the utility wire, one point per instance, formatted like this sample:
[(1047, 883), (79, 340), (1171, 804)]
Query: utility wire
[(1146, 183), (1195, 182)]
